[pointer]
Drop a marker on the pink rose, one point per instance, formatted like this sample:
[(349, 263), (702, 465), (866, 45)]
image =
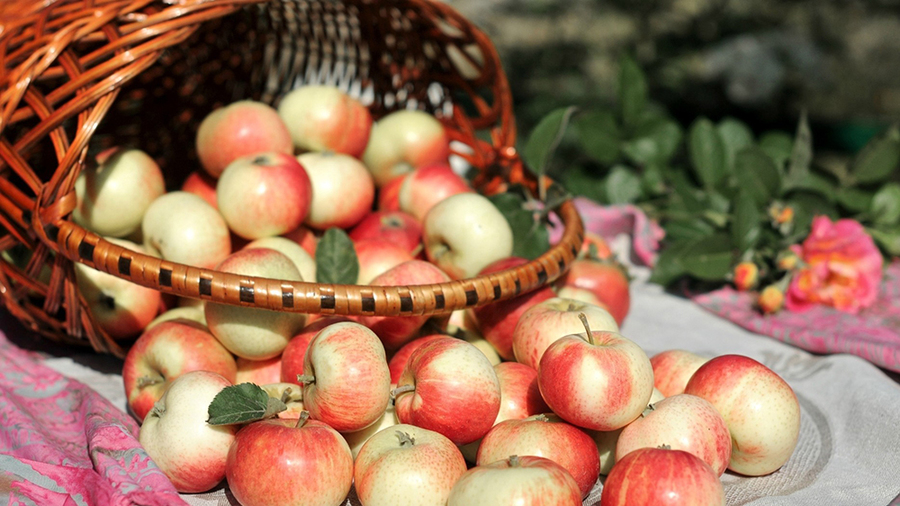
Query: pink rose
[(842, 268)]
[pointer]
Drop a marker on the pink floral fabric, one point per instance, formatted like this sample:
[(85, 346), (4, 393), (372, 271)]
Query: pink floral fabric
[(63, 444)]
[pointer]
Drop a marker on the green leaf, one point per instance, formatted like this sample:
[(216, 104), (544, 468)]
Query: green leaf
[(854, 199), (652, 181), (886, 205), (878, 159), (745, 230), (623, 186), (757, 175), (688, 229), (813, 182), (887, 238), (710, 258), (735, 137), (685, 194), (599, 136), (545, 138), (242, 403), (806, 206), (632, 91), (336, 261), (778, 145), (580, 181), (707, 153), (531, 238), (668, 267), (655, 142), (801, 152)]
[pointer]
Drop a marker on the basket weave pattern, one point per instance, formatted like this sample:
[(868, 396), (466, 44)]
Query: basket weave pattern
[(79, 76)]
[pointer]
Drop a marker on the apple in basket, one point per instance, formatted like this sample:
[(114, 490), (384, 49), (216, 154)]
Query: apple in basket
[(402, 141), (121, 308), (428, 185), (175, 434), (240, 129), (183, 228), (166, 352), (252, 332), (305, 263), (342, 190), (405, 464), (465, 233), (396, 227), (112, 199), (264, 194), (324, 118)]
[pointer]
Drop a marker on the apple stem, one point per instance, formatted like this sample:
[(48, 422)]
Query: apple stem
[(304, 416), (146, 381), (405, 439), (587, 327), (514, 461), (286, 395), (304, 379), (402, 390)]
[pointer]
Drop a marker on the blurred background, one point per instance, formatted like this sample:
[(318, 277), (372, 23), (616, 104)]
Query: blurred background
[(761, 61)]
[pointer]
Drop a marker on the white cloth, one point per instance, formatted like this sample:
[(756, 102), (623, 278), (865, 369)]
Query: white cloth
[(849, 448)]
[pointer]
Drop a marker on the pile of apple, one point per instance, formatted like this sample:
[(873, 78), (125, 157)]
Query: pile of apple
[(529, 399)]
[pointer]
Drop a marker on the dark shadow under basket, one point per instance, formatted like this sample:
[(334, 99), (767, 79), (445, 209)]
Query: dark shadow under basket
[(79, 76)]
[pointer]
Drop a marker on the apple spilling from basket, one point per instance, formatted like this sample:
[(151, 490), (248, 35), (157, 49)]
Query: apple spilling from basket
[(526, 401)]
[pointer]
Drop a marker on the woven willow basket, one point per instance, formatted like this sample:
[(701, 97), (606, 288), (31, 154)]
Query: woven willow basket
[(79, 76)]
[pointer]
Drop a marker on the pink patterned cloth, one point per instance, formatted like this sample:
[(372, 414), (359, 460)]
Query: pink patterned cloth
[(61, 443)]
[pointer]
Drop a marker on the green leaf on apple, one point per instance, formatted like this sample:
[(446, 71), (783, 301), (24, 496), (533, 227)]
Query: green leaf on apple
[(336, 260), (243, 403), (531, 238)]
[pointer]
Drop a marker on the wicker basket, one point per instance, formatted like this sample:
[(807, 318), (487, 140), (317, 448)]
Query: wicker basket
[(79, 76)]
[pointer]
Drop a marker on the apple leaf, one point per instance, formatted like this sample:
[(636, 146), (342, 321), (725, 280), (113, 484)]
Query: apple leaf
[(243, 403), (632, 90), (336, 260), (530, 236), (545, 138)]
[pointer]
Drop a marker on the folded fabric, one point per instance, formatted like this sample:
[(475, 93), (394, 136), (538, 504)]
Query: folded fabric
[(873, 334), (63, 444)]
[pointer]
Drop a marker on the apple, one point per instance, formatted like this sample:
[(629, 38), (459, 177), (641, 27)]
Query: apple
[(201, 184), (396, 227), (346, 381), (112, 199), (183, 228), (520, 396), (120, 307), (324, 118), (681, 422), (278, 461), (516, 480), (376, 256), (606, 440), (237, 130), (760, 409), (175, 434), (429, 184), (259, 372), (673, 368), (497, 320), (579, 294), (305, 263), (166, 352), (464, 233), (398, 361), (389, 195), (595, 247), (395, 331), (547, 321), (250, 332), (342, 190), (662, 476), (607, 279), (264, 194), (449, 386), (305, 238), (598, 380), (291, 394), (483, 346), (294, 354), (358, 438), (405, 464), (192, 313), (402, 141), (545, 435)]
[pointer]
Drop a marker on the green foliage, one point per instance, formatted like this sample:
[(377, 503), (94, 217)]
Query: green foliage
[(242, 403), (336, 260), (530, 237), (722, 193)]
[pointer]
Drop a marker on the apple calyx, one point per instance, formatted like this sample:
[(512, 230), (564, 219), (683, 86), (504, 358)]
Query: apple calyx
[(305, 379), (402, 390), (146, 381), (406, 440), (513, 461), (157, 410), (587, 328)]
